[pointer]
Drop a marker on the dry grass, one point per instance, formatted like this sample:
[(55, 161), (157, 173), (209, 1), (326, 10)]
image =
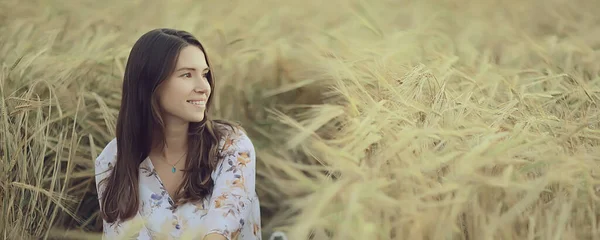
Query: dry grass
[(425, 119)]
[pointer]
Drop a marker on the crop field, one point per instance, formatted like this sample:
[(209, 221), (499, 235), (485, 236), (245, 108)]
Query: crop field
[(383, 119)]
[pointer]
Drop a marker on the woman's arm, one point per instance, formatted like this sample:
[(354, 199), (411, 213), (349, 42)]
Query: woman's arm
[(233, 191), (103, 166)]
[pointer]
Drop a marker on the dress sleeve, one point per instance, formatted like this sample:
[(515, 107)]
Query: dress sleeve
[(102, 167), (234, 187)]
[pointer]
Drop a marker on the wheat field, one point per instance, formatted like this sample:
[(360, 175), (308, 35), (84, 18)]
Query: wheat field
[(388, 119)]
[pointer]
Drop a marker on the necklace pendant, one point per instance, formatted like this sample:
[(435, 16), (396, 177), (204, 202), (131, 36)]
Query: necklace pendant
[(173, 170)]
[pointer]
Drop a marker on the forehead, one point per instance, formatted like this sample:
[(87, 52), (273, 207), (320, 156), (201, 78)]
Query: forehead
[(193, 57)]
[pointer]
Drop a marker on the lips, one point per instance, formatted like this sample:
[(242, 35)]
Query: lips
[(197, 103)]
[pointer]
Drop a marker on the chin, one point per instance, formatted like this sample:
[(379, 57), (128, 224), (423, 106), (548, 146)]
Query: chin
[(196, 118)]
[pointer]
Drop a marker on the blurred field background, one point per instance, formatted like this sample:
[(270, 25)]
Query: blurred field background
[(430, 119)]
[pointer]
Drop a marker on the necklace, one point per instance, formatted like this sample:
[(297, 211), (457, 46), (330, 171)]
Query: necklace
[(173, 169)]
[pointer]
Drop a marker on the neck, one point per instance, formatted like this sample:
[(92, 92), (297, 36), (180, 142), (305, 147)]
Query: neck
[(176, 140)]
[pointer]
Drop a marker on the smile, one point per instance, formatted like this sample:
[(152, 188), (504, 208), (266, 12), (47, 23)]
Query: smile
[(197, 103)]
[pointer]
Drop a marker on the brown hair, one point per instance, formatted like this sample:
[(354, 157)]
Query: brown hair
[(151, 60)]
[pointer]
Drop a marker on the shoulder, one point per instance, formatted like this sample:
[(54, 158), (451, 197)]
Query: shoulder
[(107, 157), (234, 139)]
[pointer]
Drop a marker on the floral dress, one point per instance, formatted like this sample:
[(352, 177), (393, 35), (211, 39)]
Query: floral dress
[(232, 210)]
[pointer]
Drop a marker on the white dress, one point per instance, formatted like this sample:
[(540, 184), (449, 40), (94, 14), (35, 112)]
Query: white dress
[(232, 210)]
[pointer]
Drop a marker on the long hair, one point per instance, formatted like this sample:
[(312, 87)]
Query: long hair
[(151, 60)]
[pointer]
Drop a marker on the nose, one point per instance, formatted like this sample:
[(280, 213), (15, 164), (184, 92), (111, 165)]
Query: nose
[(202, 86)]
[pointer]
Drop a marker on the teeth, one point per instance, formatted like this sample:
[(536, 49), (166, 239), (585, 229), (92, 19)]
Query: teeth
[(198, 103)]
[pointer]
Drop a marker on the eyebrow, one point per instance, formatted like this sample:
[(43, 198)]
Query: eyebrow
[(190, 69)]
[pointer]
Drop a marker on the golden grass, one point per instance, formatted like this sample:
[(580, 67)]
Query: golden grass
[(428, 119)]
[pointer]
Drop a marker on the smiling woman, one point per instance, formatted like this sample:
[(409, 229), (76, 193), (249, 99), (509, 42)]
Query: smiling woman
[(186, 91), (171, 165)]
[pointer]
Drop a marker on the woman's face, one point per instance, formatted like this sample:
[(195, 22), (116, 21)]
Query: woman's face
[(183, 95)]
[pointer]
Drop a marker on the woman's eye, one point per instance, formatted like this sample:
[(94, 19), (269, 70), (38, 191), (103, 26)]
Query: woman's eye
[(187, 75)]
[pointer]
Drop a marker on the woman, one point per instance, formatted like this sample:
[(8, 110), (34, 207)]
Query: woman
[(171, 165)]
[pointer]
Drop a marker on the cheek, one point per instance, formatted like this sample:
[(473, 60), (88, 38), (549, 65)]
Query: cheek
[(209, 88), (176, 90), (172, 93)]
